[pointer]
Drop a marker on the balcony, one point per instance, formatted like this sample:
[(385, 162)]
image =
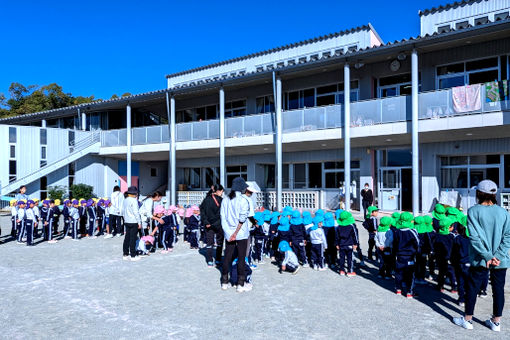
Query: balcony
[(432, 105)]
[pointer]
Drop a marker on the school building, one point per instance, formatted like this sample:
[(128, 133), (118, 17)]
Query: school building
[(421, 120)]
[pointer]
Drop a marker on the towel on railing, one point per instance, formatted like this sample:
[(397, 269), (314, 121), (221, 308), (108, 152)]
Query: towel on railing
[(496, 91), (466, 98)]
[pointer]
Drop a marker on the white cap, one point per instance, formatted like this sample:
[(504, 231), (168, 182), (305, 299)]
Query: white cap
[(253, 186), (487, 186)]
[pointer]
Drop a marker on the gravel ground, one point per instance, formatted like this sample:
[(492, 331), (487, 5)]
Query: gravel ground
[(83, 290)]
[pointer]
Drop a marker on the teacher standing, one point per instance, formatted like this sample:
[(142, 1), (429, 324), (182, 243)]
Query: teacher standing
[(234, 212), (367, 198), (211, 219), (489, 228)]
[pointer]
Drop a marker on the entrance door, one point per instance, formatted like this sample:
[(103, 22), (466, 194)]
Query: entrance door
[(406, 183), (395, 189)]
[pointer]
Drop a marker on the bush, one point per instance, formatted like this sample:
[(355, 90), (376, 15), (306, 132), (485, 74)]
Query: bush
[(57, 192), (82, 191)]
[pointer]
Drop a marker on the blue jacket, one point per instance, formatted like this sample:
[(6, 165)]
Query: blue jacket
[(426, 242), (460, 250), (406, 242), (194, 222), (298, 232), (346, 236)]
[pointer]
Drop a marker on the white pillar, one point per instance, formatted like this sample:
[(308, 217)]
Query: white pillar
[(347, 136), (279, 153), (128, 144), (415, 148), (173, 165), (43, 123), (222, 138), (83, 120)]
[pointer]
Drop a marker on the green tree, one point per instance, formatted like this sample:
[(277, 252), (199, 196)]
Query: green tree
[(82, 191)]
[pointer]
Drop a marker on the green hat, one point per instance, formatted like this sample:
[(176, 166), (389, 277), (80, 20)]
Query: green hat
[(419, 224), (463, 220), (346, 219), (370, 210), (439, 211), (395, 217), (454, 213), (427, 221), (405, 220), (384, 224), (445, 224)]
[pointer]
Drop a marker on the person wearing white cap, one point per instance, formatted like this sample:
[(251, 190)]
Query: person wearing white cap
[(489, 237)]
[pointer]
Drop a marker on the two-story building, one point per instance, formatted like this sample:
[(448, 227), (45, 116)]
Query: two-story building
[(421, 120)]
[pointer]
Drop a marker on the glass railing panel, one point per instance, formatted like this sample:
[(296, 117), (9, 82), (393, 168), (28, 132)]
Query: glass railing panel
[(183, 132), (200, 130), (292, 121), (154, 134)]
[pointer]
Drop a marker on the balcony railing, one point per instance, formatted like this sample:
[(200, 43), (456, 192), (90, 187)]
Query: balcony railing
[(432, 105)]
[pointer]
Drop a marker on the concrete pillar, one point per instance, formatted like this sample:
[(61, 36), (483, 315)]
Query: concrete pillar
[(83, 120), (128, 143), (223, 173), (171, 161), (279, 152), (347, 136), (43, 123), (414, 131)]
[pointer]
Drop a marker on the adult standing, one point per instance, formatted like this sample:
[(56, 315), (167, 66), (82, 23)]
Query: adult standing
[(21, 195), (132, 222), (234, 212), (115, 211), (211, 219), (367, 198), (489, 245), (146, 211)]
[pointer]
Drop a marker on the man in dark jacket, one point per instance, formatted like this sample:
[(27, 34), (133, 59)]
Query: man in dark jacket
[(211, 220), (367, 198)]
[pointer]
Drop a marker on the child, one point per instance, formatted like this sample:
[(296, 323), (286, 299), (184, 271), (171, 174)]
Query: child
[(329, 230), (67, 218), (194, 227), (406, 243), (346, 242), (100, 217), (82, 211), (370, 224), (460, 260), (37, 214), (455, 215), (423, 225), (273, 235), (298, 237), (49, 222), (437, 215), (267, 223), (91, 212), (307, 220), (260, 238), (144, 245), (20, 220), (187, 216), (284, 230), (318, 243), (30, 221), (290, 261), (174, 223), (443, 248), (164, 226), (384, 244), (107, 204), (56, 216), (74, 213), (14, 213)]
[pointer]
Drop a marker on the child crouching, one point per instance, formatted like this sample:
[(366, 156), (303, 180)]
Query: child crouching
[(290, 262)]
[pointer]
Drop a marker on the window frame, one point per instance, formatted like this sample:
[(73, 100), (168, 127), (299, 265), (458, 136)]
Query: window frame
[(465, 73)]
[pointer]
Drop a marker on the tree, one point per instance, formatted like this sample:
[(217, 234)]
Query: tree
[(127, 94), (57, 192), (84, 191)]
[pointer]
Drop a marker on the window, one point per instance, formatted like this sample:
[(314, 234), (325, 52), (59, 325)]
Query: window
[(300, 176), (43, 152), (300, 99), (12, 170), (192, 178), (212, 176), (315, 175), (184, 116), (12, 151), (334, 173), (43, 136), (70, 173), (468, 73), (12, 135), (397, 157), (236, 171), (464, 172), (398, 85), (265, 104), (206, 112), (235, 108), (154, 172), (507, 171), (269, 176)]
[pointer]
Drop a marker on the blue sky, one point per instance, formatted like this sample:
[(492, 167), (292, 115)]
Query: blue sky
[(105, 47)]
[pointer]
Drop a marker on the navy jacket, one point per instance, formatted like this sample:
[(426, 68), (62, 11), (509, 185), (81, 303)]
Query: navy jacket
[(443, 246), (298, 232), (56, 212), (426, 242), (285, 235), (44, 213), (407, 242), (435, 224), (460, 250), (346, 236), (65, 212), (273, 231), (194, 223)]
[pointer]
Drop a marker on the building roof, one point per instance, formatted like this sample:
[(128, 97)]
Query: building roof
[(367, 27), (447, 6), (389, 47)]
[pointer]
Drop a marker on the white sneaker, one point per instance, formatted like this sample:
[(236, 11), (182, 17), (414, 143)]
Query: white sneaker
[(295, 271), (322, 269), (118, 235), (460, 321), (136, 258), (224, 286), (53, 241), (246, 288), (67, 237), (125, 258), (92, 237), (306, 265), (496, 327), (108, 236)]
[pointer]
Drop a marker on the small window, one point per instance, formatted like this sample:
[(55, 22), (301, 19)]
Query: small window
[(43, 163), (462, 25), (12, 135), (13, 151), (154, 172), (43, 152), (449, 69), (43, 136), (481, 64), (12, 167)]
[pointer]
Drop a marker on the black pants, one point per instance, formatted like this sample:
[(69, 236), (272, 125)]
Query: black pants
[(365, 205), (404, 273), (371, 246), (385, 262), (230, 247), (129, 246), (462, 275), (474, 282), (345, 253), (116, 225), (445, 270), (211, 235)]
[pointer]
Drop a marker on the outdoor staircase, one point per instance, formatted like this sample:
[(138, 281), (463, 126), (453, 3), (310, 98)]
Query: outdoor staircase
[(82, 147)]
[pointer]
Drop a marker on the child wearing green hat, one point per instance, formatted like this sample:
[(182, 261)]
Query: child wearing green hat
[(406, 246), (371, 224), (437, 215), (346, 242), (423, 225), (460, 261), (384, 244), (443, 248)]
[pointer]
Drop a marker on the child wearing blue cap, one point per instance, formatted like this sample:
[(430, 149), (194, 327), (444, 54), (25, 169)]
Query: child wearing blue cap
[(54, 205), (47, 214), (298, 237), (290, 261), (74, 213), (91, 213), (318, 243), (260, 238), (329, 230), (346, 242), (82, 210), (20, 220), (273, 235), (100, 217), (67, 217)]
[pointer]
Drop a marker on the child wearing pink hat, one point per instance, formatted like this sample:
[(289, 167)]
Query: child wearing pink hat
[(172, 213), (144, 245), (162, 226)]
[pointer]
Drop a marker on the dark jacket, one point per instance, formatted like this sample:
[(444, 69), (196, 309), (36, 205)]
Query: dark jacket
[(407, 242), (298, 232), (443, 245), (460, 250), (210, 212), (367, 195), (346, 236)]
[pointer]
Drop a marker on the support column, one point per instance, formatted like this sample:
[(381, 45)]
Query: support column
[(347, 136), (279, 153), (172, 164), (43, 123), (414, 132), (222, 138), (128, 144), (83, 120)]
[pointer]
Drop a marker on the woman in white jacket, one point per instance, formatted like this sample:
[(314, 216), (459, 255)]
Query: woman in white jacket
[(234, 213)]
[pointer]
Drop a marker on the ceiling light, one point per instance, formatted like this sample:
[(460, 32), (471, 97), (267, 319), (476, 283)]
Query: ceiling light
[(265, 149), (402, 56), (469, 134), (358, 65), (388, 140), (324, 144)]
